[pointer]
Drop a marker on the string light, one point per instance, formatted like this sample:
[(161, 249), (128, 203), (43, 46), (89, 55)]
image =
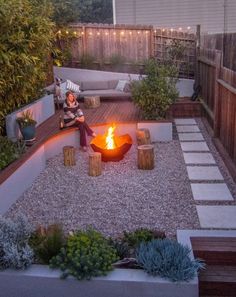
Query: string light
[(67, 32), (130, 33), (122, 33), (180, 28), (98, 33), (171, 29), (106, 33), (163, 30), (75, 32), (90, 33), (114, 33), (188, 27), (59, 32), (82, 33), (138, 32), (146, 32)]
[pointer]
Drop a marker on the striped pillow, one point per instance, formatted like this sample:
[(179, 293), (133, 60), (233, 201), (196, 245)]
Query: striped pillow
[(72, 86)]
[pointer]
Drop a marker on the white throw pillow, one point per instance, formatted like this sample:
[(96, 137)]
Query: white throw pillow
[(121, 85), (72, 86)]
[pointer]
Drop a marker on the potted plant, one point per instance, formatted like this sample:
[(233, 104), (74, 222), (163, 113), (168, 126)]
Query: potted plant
[(27, 125)]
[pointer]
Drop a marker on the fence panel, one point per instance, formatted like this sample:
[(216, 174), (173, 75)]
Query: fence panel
[(133, 44)]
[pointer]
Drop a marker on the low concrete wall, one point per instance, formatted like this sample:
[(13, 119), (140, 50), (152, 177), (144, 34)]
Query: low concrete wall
[(39, 281), (159, 131), (42, 109), (21, 179), (184, 86)]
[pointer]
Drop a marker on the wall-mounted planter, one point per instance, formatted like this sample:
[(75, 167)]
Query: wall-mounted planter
[(159, 130)]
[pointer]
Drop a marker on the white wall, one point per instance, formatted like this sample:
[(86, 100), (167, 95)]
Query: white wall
[(178, 13), (21, 179), (42, 109)]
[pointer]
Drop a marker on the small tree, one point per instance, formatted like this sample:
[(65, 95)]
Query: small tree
[(155, 93), (26, 34)]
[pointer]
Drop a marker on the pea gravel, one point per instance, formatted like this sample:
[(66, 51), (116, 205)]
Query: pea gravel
[(122, 198)]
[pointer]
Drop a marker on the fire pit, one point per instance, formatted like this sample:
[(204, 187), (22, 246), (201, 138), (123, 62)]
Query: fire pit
[(112, 148)]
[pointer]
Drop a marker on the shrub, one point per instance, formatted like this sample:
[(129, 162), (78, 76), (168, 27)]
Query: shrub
[(26, 42), (117, 61), (155, 93), (10, 151), (168, 259), (135, 238), (87, 254), (47, 242), (86, 61), (121, 247), (15, 251)]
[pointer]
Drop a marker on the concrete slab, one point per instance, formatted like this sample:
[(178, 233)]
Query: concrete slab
[(204, 173), (211, 192), (185, 122), (198, 158), (187, 128), (194, 146), (217, 216), (190, 136)]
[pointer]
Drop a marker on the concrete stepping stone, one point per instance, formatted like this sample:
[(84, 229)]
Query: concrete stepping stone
[(194, 146), (198, 158), (185, 122), (211, 192), (204, 173), (187, 128), (217, 216), (190, 136)]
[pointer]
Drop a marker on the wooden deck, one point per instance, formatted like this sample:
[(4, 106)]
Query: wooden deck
[(108, 112)]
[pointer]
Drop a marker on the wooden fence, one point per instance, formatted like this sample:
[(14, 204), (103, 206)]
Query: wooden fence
[(224, 42), (218, 94), (106, 44)]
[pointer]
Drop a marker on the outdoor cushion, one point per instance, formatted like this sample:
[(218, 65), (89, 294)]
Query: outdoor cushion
[(121, 85), (95, 85), (112, 83), (72, 86)]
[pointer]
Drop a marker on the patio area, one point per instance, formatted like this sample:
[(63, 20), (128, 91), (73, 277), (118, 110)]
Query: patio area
[(125, 198)]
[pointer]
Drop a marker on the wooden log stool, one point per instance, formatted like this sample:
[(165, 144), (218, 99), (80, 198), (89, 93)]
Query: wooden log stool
[(69, 155), (146, 157), (95, 164), (92, 102), (143, 136)]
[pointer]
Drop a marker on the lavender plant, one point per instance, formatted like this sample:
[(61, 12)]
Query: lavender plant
[(14, 249)]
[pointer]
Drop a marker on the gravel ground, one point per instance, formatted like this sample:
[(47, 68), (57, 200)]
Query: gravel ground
[(122, 198)]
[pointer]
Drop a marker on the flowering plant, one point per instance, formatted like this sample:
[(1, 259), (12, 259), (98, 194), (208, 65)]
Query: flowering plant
[(26, 119)]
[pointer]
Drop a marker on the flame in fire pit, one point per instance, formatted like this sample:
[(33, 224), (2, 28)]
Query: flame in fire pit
[(110, 140), (112, 147)]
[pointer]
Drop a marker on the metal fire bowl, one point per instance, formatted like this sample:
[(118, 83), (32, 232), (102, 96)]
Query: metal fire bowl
[(123, 144)]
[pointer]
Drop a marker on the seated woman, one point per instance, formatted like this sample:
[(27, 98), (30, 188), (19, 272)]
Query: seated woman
[(73, 116)]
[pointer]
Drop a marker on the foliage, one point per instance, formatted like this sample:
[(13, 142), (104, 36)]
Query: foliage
[(26, 119), (175, 54), (26, 33), (135, 238), (169, 259), (86, 61), (121, 247), (117, 60), (10, 151), (15, 251), (86, 11), (47, 242), (87, 254), (155, 93)]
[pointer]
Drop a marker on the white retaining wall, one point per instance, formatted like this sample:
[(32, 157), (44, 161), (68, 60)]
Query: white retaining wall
[(42, 109), (184, 86)]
